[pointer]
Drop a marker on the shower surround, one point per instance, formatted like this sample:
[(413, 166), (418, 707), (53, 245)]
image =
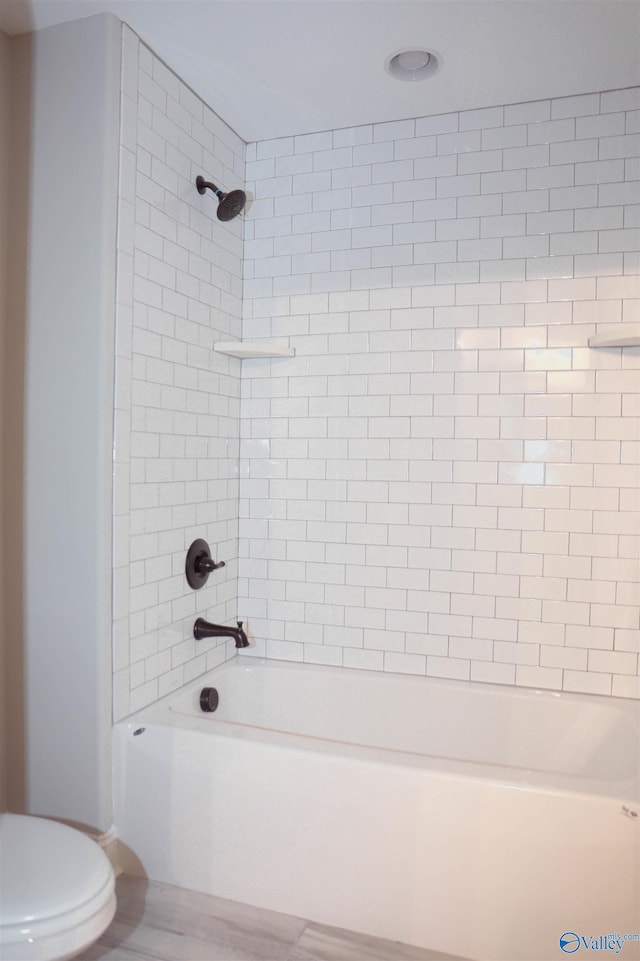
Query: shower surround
[(444, 479), (177, 403)]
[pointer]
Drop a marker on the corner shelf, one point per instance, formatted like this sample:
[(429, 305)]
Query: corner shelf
[(617, 335), (237, 348)]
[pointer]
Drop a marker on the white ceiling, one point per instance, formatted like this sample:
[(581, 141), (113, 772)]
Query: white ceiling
[(272, 68)]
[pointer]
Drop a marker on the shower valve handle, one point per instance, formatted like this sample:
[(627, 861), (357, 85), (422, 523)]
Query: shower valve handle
[(200, 564), (204, 564)]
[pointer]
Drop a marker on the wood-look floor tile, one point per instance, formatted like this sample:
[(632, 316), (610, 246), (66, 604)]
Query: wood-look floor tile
[(322, 943), (158, 922), (204, 916)]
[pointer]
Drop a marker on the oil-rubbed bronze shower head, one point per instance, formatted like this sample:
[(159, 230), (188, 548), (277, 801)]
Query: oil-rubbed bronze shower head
[(229, 205)]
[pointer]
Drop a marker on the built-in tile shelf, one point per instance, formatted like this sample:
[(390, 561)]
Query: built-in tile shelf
[(618, 335), (237, 348)]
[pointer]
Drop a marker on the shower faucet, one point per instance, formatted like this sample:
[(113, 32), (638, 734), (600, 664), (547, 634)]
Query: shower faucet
[(202, 629)]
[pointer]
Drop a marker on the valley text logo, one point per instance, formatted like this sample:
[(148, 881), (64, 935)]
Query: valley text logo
[(570, 942)]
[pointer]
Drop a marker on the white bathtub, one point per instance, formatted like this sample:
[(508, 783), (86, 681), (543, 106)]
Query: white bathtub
[(467, 818)]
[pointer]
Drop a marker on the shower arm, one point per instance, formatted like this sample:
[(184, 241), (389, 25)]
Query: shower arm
[(202, 184)]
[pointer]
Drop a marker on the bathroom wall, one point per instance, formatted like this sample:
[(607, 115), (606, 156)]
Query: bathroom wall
[(177, 402), (444, 480), (67, 193), (15, 134), (5, 115)]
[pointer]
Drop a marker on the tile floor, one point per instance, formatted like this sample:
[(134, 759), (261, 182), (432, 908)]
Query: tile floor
[(157, 922)]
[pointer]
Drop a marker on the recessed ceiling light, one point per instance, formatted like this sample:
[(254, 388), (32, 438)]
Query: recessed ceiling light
[(412, 64)]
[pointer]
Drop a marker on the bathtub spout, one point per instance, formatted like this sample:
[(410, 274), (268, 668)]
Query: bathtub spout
[(202, 629)]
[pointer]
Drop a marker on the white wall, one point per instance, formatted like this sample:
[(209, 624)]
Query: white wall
[(444, 480), (70, 311), (5, 114), (177, 402)]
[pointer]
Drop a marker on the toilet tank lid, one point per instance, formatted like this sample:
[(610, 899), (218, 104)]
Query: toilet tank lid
[(48, 869)]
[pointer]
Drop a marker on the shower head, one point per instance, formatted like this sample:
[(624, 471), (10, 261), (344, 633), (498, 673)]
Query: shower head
[(229, 205)]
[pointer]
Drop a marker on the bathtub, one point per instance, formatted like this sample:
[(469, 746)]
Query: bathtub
[(467, 818)]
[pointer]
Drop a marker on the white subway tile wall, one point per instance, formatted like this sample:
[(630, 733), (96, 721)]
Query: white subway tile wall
[(445, 479), (177, 402)]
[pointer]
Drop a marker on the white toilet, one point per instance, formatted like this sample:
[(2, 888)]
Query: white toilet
[(57, 890)]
